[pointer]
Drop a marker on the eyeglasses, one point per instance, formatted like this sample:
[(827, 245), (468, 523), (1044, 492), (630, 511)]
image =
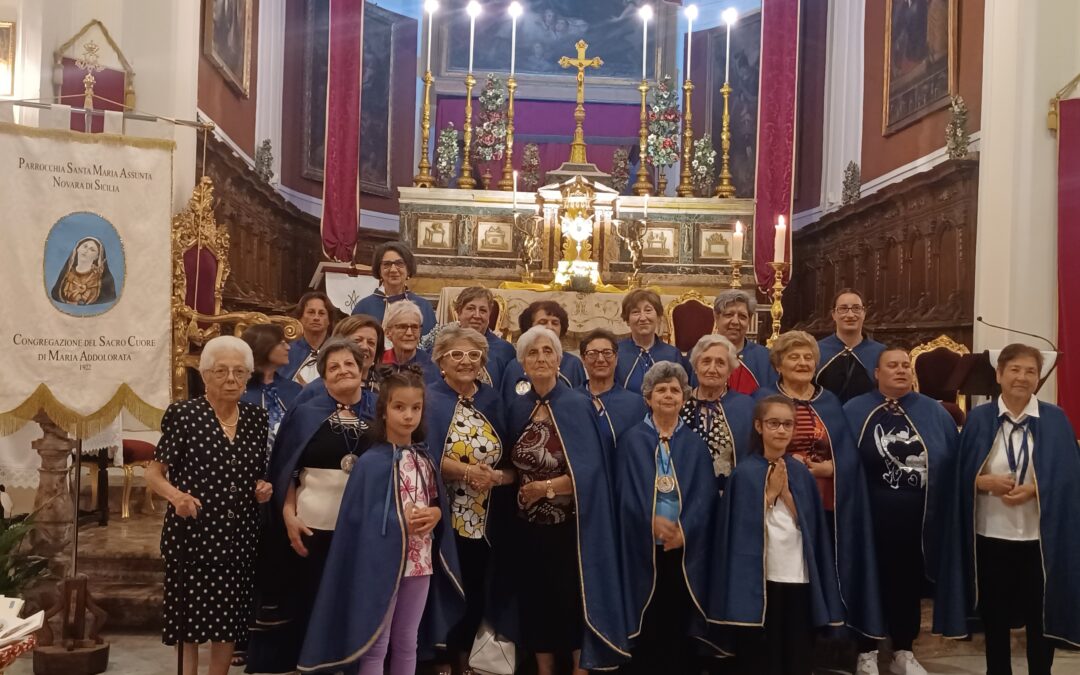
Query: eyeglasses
[(406, 327), (594, 354), (850, 309), (238, 374), (388, 264), (772, 424), (458, 355)]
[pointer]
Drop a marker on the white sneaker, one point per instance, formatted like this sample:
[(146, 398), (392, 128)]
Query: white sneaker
[(904, 663), (867, 664)]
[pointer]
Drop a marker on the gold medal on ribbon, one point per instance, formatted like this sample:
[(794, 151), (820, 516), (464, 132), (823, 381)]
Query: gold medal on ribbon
[(665, 484), (348, 462), (523, 387)]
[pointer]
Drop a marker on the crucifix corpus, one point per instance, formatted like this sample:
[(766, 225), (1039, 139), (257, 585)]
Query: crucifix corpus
[(577, 148)]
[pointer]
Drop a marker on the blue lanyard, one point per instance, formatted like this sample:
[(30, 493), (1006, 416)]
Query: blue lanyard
[(1024, 457), (665, 457)]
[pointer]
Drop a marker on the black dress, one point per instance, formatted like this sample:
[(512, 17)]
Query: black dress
[(209, 560)]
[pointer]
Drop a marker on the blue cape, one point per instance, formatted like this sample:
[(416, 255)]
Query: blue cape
[(867, 352), (422, 359), (938, 432), (299, 351), (756, 359), (366, 564), (630, 371), (739, 410), (1056, 461), (287, 391), (621, 411), (317, 388), (571, 371), (635, 496), (500, 353), (856, 561), (375, 304), (604, 644), (738, 592)]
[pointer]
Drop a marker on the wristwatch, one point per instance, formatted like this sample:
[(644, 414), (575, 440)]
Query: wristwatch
[(550, 494)]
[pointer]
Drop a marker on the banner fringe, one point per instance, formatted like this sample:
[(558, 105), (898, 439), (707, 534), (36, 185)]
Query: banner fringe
[(80, 426)]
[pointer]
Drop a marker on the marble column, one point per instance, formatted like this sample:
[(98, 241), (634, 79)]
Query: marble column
[(52, 534), (1029, 51)]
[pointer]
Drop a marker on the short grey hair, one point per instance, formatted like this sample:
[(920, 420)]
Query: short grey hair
[(454, 333), (398, 311), (663, 371), (333, 346), (733, 296), (707, 342), (529, 337), (215, 347)]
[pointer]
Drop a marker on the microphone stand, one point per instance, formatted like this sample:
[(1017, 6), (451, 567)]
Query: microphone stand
[(1053, 347)]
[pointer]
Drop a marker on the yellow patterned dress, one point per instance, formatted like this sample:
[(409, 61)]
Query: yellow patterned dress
[(470, 440)]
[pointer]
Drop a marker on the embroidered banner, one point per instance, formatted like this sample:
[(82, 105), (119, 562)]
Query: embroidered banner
[(1068, 244), (86, 326), (778, 94)]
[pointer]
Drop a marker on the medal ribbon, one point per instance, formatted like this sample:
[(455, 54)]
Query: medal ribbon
[(1023, 459)]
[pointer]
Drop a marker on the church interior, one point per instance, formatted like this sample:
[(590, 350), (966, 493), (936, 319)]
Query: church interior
[(193, 182)]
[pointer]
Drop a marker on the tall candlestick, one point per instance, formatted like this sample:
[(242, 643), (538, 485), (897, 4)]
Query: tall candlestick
[(729, 16), (646, 15), (737, 241), (780, 242)]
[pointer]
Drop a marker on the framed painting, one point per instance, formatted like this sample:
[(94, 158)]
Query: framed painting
[(495, 237), (661, 242), (376, 100), (547, 30), (227, 40), (435, 233), (743, 101), (920, 60), (715, 244), (7, 58)]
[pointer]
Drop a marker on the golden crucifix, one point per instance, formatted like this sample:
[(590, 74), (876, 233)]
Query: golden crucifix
[(577, 148)]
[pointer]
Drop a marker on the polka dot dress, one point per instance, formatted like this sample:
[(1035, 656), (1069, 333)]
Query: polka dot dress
[(210, 560)]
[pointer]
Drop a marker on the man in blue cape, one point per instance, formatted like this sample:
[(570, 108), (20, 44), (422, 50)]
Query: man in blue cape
[(1009, 550), (907, 443), (604, 643), (848, 358), (316, 316)]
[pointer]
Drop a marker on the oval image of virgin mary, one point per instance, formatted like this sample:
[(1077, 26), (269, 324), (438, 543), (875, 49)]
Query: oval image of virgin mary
[(84, 264)]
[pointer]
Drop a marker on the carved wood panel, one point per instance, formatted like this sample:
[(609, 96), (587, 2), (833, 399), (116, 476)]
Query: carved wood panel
[(908, 247)]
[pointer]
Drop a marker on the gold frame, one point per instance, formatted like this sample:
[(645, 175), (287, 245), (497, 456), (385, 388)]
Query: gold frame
[(669, 311), (952, 67), (10, 56), (129, 72), (940, 342), (239, 81)]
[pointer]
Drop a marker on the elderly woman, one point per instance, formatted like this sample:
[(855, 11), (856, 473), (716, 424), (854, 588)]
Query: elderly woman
[(368, 336), (641, 310), (616, 409), (824, 443), (464, 417), (319, 442), (402, 326), (393, 265), (267, 388), (732, 311), (316, 316), (667, 499), (720, 416), (550, 315), (474, 307), (209, 465), (558, 581)]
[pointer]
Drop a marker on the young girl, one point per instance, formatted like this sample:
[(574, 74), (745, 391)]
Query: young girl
[(391, 581), (777, 581)]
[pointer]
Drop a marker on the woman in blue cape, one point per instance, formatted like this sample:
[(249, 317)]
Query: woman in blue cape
[(266, 388), (393, 264), (391, 584), (316, 315), (368, 335), (402, 326), (616, 409), (719, 415), (557, 586), (823, 441), (1010, 553), (551, 315), (642, 311), (848, 357), (465, 429), (667, 499), (316, 444), (474, 308), (732, 310), (776, 580)]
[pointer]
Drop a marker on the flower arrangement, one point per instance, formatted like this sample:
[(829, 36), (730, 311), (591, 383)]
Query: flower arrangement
[(620, 170), (703, 165), (530, 167), (663, 116), (446, 155), (490, 131)]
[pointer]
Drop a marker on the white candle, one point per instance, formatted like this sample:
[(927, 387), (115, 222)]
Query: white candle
[(737, 242), (730, 15), (691, 14), (515, 192), (780, 242), (515, 11), (430, 6), (473, 10), (646, 14), (645, 215)]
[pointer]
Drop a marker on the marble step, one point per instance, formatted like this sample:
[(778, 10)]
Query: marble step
[(129, 570), (130, 607)]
